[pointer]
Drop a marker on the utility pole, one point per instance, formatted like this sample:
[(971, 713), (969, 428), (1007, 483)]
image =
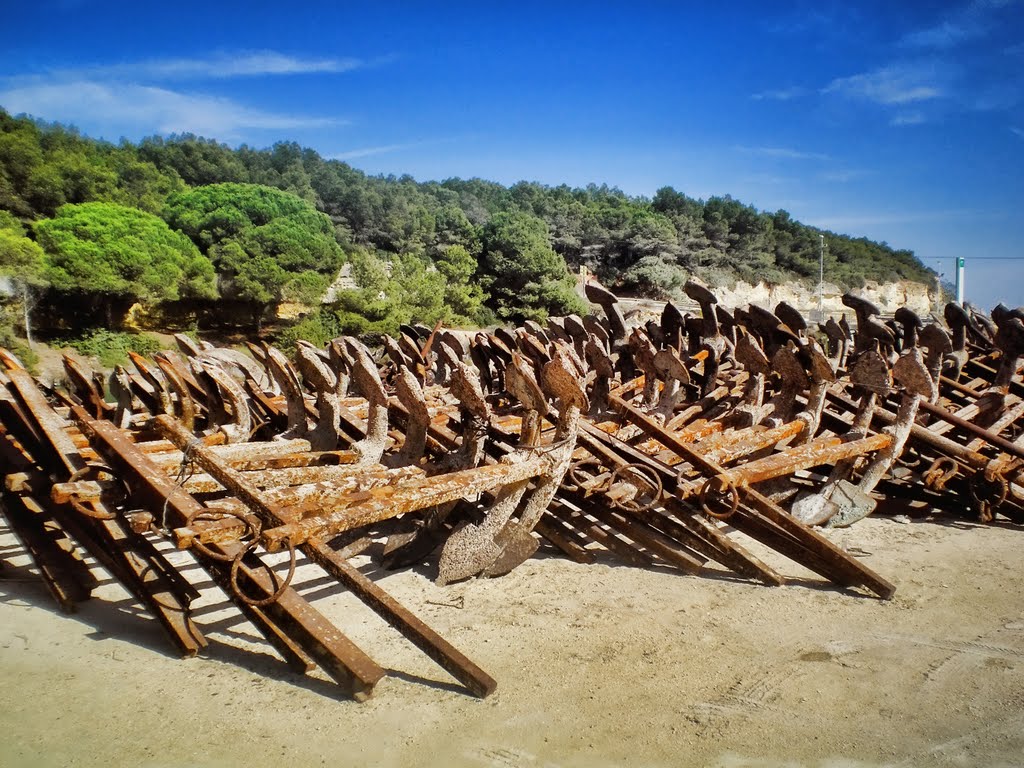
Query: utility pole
[(821, 281), (960, 280)]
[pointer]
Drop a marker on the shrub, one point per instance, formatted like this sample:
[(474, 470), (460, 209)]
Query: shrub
[(317, 328), (111, 347)]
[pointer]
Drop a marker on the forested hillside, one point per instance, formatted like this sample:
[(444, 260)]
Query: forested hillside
[(193, 227)]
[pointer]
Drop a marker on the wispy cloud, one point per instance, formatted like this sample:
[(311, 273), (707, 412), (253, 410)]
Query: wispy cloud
[(782, 94), (768, 179), (1019, 132), (139, 98), (869, 219), (782, 153), (353, 154), (828, 18), (894, 84), (844, 176), (146, 109), (946, 34), (969, 22), (219, 66), (996, 95), (908, 118)]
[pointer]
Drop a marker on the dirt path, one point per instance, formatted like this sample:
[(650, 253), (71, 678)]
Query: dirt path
[(597, 665)]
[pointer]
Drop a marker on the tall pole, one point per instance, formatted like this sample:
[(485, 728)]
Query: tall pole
[(960, 280), (821, 280)]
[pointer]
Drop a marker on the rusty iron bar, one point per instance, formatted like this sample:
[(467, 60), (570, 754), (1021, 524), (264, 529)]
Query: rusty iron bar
[(993, 439), (823, 450), (822, 555), (390, 501), (412, 628), (54, 553), (561, 537), (678, 522), (323, 497), (917, 432), (288, 623), (131, 558), (634, 524), (727, 447)]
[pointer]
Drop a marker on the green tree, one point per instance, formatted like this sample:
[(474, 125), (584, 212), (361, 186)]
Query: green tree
[(407, 288), (525, 277), (261, 240), (23, 264), (631, 242), (463, 294), (117, 255), (195, 160)]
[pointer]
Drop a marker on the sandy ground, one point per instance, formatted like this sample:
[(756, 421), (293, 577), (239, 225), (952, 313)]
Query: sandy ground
[(597, 665)]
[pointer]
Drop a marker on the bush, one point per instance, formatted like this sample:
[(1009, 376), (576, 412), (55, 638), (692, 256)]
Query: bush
[(112, 347), (14, 343), (20, 349), (27, 355), (317, 328)]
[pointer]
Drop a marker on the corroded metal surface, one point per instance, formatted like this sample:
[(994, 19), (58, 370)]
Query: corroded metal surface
[(655, 440)]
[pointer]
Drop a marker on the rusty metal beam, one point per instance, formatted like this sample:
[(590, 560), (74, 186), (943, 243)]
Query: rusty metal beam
[(288, 621), (829, 560), (435, 646), (993, 439), (141, 569)]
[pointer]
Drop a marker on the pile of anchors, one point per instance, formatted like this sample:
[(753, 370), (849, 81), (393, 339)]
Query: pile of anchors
[(671, 443)]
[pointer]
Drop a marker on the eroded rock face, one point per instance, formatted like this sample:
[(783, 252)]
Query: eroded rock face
[(918, 297)]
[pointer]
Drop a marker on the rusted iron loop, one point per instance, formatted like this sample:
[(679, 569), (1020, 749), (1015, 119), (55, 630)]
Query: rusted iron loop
[(910, 457), (648, 477), (252, 531), (989, 492), (258, 424), (236, 565), (719, 488), (580, 473), (475, 428), (942, 470), (185, 471), (544, 450), (881, 389), (94, 468), (996, 469)]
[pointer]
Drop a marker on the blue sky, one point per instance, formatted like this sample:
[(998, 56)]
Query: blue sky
[(902, 122)]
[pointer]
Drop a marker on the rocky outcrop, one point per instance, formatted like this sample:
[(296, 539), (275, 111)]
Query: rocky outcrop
[(918, 297)]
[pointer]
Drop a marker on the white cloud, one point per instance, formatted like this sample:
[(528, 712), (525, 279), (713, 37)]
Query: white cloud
[(768, 179), (996, 96), (908, 118), (843, 176), (869, 219), (969, 22), (944, 35), (782, 94), (219, 66), (119, 109), (352, 154), (895, 84), (227, 65), (783, 153), (1019, 132)]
